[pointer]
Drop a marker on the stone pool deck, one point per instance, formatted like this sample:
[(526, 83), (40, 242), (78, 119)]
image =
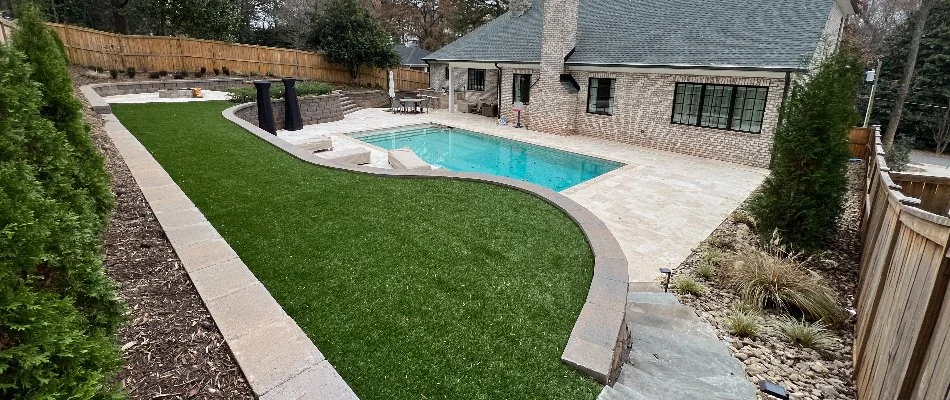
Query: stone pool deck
[(659, 206)]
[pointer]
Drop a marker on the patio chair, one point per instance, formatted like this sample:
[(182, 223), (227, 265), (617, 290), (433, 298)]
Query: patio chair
[(424, 105), (395, 105)]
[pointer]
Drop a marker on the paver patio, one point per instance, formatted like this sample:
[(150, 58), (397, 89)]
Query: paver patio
[(659, 206)]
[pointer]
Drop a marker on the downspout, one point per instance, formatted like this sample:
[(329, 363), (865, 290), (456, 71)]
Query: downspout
[(499, 88), (781, 116)]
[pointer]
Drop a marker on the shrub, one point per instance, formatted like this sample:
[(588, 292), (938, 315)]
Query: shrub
[(58, 311), (154, 75), (114, 73), (899, 156), (304, 88), (226, 71), (687, 285), (774, 279), (743, 217), (804, 195), (805, 334), (163, 73), (181, 74), (216, 71), (130, 72), (742, 323), (35, 40), (203, 70)]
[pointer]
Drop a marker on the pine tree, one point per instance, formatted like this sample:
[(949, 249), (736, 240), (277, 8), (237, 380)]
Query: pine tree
[(804, 195)]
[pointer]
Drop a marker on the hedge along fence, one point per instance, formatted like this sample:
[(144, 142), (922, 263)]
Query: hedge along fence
[(902, 337), (92, 48)]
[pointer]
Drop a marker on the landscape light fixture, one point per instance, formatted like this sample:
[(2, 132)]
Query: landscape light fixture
[(668, 273), (773, 389)]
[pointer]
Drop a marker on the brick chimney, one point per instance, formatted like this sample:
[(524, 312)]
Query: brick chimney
[(554, 109)]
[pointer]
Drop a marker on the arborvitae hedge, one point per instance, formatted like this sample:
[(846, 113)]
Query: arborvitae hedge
[(804, 195), (35, 40), (58, 310)]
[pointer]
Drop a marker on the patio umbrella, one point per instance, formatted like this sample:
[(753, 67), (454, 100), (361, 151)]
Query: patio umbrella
[(392, 86)]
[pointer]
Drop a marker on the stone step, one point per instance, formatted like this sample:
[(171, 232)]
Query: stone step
[(681, 356), (645, 287), (647, 387), (674, 318), (651, 297)]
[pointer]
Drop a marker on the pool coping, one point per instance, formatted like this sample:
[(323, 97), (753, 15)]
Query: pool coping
[(269, 348), (599, 337)]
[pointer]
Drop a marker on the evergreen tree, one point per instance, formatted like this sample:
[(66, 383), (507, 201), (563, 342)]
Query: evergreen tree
[(35, 40), (348, 34), (58, 311), (804, 195)]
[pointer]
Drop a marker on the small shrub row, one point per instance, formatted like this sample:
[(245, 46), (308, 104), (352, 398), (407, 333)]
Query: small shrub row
[(303, 88)]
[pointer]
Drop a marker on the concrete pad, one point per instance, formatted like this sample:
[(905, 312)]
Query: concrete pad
[(205, 254), (222, 279), (319, 382), (192, 234), (273, 354), (244, 311)]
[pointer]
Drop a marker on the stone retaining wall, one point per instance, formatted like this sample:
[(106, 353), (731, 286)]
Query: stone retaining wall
[(313, 110), (96, 92), (369, 98)]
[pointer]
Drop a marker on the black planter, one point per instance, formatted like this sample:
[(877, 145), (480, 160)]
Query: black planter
[(265, 111), (292, 120)]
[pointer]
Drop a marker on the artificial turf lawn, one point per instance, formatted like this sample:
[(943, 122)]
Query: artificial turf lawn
[(412, 288)]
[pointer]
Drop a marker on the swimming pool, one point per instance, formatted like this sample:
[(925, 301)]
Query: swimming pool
[(466, 151)]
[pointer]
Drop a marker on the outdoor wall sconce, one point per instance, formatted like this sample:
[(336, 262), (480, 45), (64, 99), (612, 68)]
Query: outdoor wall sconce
[(773, 389), (668, 273)]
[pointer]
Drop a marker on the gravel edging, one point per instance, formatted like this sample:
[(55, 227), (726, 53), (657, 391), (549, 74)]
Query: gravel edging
[(171, 345), (807, 374)]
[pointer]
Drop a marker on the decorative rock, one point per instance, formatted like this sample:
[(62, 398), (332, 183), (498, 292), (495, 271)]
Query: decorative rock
[(828, 390)]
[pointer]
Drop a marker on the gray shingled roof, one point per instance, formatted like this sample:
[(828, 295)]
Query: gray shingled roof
[(411, 55), (773, 34)]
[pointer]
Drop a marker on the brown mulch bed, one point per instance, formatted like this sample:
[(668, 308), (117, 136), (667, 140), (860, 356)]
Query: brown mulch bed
[(171, 346), (805, 373)]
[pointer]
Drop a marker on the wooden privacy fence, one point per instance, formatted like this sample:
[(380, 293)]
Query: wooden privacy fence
[(106, 50), (858, 142), (902, 337)]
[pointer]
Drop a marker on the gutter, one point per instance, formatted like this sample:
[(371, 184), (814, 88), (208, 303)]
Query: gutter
[(686, 66)]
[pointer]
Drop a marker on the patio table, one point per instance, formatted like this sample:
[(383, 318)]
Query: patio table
[(413, 102)]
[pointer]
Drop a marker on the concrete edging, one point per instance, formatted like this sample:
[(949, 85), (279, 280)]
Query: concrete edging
[(275, 355), (599, 336)]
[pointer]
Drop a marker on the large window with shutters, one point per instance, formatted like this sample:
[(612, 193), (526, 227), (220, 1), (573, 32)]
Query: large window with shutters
[(600, 96), (521, 88), (731, 107)]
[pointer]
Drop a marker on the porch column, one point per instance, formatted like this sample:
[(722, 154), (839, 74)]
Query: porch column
[(451, 90)]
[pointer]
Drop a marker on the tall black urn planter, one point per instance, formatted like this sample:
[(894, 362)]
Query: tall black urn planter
[(292, 119), (265, 111)]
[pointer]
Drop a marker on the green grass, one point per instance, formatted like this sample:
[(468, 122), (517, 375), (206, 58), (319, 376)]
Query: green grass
[(412, 288)]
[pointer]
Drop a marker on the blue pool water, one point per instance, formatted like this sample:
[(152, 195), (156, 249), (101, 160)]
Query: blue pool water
[(465, 151)]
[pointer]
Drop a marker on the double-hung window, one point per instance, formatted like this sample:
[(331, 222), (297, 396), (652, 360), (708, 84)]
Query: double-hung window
[(521, 88), (600, 96), (732, 107), (476, 79)]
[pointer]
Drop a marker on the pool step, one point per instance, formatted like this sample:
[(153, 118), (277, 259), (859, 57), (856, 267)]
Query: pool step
[(675, 354)]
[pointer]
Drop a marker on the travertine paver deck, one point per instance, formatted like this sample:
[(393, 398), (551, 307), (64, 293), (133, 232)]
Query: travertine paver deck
[(659, 206), (208, 95)]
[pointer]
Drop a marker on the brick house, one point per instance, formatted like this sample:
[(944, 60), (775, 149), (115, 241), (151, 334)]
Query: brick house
[(700, 77)]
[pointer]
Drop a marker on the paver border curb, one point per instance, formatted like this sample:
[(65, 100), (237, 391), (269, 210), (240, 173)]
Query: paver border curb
[(276, 357), (599, 336)]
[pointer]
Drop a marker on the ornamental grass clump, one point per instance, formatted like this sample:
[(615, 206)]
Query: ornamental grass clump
[(803, 196), (687, 285), (774, 279), (742, 323), (806, 334)]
